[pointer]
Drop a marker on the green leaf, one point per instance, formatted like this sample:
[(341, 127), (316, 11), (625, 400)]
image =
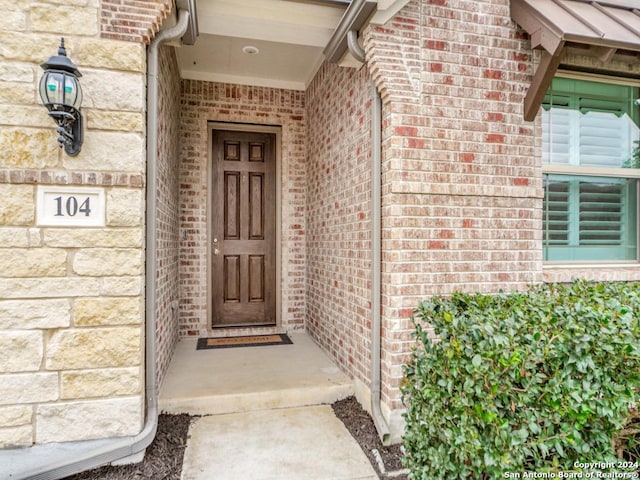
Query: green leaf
[(476, 361), (535, 380)]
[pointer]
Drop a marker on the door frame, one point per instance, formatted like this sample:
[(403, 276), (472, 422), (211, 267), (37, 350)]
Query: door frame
[(244, 127)]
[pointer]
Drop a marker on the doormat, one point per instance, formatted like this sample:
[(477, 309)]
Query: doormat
[(246, 341)]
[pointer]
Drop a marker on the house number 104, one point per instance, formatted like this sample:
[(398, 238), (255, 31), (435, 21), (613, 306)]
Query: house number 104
[(72, 206)]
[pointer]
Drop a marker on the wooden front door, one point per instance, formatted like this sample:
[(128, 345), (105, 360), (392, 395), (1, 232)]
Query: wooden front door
[(243, 230)]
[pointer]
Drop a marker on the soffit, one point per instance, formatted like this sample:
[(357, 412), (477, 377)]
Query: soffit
[(603, 26), (289, 36)]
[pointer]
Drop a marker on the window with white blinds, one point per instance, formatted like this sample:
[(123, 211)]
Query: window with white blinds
[(590, 133), (589, 218)]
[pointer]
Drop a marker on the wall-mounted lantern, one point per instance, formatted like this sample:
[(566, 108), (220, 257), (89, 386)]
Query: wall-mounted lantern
[(60, 92)]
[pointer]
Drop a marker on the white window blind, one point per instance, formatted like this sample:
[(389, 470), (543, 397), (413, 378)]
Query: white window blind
[(589, 218), (589, 139)]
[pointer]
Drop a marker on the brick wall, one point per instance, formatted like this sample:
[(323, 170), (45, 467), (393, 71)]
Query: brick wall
[(133, 20), (338, 216), (461, 181), (71, 299), (168, 208), (462, 172), (203, 102)]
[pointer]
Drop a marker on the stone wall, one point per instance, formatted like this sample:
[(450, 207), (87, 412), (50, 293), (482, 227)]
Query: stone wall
[(204, 102), (71, 299)]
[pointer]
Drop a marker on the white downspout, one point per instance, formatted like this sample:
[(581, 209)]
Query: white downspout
[(376, 244)]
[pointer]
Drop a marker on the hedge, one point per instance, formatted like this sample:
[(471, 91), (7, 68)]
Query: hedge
[(538, 381)]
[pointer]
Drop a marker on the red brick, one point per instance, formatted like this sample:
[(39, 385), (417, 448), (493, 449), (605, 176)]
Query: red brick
[(494, 138), (493, 74), (405, 131), (437, 45)]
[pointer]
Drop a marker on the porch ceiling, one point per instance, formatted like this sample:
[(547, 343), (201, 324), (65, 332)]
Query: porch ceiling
[(290, 36)]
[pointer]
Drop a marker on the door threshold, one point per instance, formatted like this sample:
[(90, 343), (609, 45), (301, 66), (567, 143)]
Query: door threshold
[(243, 330), (244, 326)]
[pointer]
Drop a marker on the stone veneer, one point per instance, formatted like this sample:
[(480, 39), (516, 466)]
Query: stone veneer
[(71, 299)]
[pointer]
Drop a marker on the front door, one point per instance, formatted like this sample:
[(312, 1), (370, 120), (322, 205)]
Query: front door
[(243, 230)]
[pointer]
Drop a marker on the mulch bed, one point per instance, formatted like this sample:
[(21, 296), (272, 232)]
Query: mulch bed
[(362, 428), (163, 460)]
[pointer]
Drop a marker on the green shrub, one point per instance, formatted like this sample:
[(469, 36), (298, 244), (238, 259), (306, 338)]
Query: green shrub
[(532, 381)]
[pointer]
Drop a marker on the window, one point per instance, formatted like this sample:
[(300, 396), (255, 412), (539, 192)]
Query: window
[(591, 165)]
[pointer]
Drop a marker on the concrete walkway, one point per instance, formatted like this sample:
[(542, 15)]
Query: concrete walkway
[(266, 413), (232, 380), (305, 443)]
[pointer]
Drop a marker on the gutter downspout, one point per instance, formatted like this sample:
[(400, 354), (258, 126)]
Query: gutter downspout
[(120, 448), (376, 244), (151, 382), (376, 249)]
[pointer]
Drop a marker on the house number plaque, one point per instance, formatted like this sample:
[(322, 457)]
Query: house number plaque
[(70, 206)]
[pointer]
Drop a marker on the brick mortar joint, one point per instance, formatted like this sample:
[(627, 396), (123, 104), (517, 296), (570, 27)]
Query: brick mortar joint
[(129, 23), (57, 177)]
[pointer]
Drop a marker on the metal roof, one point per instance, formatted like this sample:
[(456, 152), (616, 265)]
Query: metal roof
[(605, 26)]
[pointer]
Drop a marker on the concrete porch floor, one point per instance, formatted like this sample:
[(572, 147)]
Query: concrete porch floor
[(234, 380)]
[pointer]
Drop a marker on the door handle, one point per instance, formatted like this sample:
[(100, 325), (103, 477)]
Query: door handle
[(216, 251)]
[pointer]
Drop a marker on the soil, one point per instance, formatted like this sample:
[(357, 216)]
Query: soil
[(163, 460), (361, 426)]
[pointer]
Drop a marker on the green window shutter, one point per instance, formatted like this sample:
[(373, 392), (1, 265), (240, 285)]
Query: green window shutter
[(590, 124)]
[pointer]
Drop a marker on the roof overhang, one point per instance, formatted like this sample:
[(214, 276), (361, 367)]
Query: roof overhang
[(354, 18), (604, 26)]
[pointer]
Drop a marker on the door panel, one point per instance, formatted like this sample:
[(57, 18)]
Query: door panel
[(232, 206), (243, 283)]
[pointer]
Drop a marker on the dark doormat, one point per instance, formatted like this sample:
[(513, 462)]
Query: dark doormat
[(245, 341)]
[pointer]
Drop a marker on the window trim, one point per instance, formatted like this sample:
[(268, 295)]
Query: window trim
[(548, 168), (598, 77)]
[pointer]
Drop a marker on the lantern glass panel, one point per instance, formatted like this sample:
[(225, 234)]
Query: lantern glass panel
[(60, 88), (72, 91)]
